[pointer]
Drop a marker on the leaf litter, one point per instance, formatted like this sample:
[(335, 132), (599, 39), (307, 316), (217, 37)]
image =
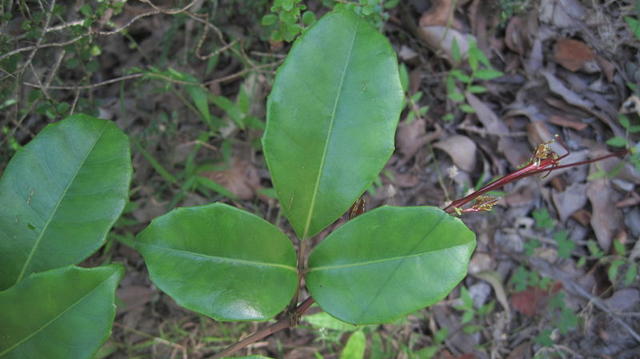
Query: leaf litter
[(559, 78)]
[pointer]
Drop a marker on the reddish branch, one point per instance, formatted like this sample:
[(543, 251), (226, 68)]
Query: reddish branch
[(284, 323), (544, 160)]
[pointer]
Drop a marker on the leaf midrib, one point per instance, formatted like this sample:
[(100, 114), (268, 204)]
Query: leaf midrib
[(57, 206), (46, 324), (223, 259), (314, 193), (382, 260)]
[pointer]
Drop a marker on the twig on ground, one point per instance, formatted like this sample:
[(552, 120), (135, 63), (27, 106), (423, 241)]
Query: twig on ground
[(283, 323)]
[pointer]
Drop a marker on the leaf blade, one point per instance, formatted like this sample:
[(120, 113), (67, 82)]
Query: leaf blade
[(220, 261), (65, 189), (319, 106), (79, 312), (356, 273)]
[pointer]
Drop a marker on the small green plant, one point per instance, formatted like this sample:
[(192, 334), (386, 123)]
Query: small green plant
[(510, 8), (374, 11), (470, 312), (412, 101), (285, 19), (538, 291), (627, 143), (461, 80), (622, 270), (563, 320)]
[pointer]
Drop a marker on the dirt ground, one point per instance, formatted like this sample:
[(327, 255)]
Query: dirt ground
[(555, 271)]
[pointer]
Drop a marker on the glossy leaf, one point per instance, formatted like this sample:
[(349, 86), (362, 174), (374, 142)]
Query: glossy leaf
[(331, 119), (60, 195), (63, 313), (220, 261), (355, 347), (388, 263)]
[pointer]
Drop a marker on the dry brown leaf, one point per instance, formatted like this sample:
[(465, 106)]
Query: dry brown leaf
[(562, 13), (480, 262), (440, 40), (519, 32), (582, 216), (623, 299), (606, 219), (538, 133), (407, 54), (133, 296), (567, 121), (487, 117), (631, 105), (405, 180), (439, 13), (515, 38), (574, 55), (412, 136), (533, 299), (556, 86), (522, 351), (608, 68), (241, 179), (461, 149), (569, 201), (493, 278)]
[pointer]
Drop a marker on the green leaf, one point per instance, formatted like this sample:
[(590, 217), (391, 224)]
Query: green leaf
[(612, 273), (233, 110), (354, 349), (565, 245), (617, 141), (331, 119), (624, 121), (456, 96), (477, 89), (631, 274), (404, 77), (326, 321), (308, 18), (62, 313), (455, 51), (269, 19), (487, 74), (389, 262), (214, 186), (634, 25), (60, 195), (220, 261), (199, 97), (466, 108), (460, 76)]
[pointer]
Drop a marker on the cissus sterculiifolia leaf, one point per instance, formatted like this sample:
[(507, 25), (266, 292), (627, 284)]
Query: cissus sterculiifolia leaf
[(331, 119)]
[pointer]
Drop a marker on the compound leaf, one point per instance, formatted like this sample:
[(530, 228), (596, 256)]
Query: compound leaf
[(63, 313), (388, 263), (60, 195), (331, 119), (220, 261)]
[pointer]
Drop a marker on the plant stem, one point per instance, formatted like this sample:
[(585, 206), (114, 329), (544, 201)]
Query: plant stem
[(284, 323), (545, 165)]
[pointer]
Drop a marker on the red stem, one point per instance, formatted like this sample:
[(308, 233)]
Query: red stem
[(281, 324), (545, 165)]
